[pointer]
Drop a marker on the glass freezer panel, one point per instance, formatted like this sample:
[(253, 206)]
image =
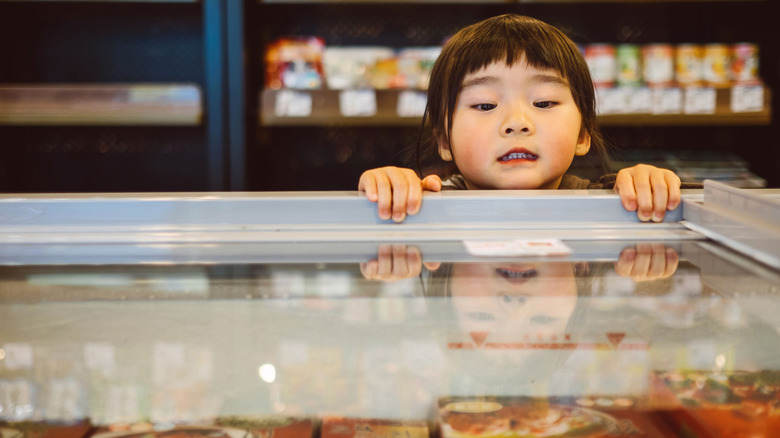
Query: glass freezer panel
[(648, 334)]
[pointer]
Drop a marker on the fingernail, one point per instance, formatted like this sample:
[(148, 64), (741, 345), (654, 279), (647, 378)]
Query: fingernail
[(398, 217), (657, 218), (630, 254), (643, 217)]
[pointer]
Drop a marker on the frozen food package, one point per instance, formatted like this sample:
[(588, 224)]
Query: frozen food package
[(342, 427), (565, 416), (295, 62), (734, 403), (349, 67), (222, 427), (43, 429)]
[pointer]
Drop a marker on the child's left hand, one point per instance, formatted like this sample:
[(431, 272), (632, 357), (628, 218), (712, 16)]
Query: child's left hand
[(648, 190)]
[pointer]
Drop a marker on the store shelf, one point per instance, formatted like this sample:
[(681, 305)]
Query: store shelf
[(324, 109), (101, 104)]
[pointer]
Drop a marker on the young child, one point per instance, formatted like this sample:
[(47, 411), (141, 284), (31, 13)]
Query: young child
[(510, 104)]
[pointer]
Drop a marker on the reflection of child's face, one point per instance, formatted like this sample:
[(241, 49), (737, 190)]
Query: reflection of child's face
[(535, 298), (515, 127)]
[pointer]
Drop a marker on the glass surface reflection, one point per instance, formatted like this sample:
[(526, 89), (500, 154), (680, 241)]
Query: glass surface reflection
[(670, 332)]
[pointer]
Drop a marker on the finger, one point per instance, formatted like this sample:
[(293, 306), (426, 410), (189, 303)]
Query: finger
[(400, 263), (625, 263), (672, 261), (660, 195), (367, 184), (624, 185), (384, 195), (673, 182), (414, 196), (432, 183), (657, 261), (414, 261), (400, 182), (368, 269), (642, 262), (432, 266), (384, 261), (644, 194)]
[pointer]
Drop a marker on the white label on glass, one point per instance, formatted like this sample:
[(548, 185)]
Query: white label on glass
[(411, 103), (290, 103), (700, 100), (667, 101), (18, 356), (520, 247), (357, 103), (747, 98)]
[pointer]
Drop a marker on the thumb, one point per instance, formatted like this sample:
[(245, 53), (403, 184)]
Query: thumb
[(431, 183)]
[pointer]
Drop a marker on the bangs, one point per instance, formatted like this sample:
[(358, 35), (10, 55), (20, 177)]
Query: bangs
[(508, 42)]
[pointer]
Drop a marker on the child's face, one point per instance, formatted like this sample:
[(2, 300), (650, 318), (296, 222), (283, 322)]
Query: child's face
[(514, 128)]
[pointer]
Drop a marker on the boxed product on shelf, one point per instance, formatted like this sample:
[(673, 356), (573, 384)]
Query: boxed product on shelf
[(295, 62), (342, 427), (349, 67), (520, 416)]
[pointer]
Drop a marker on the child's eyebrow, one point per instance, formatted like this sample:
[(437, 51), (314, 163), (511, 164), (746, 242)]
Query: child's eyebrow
[(479, 80), (547, 78)]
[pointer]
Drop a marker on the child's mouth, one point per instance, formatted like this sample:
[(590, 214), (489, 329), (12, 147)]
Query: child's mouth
[(512, 156)]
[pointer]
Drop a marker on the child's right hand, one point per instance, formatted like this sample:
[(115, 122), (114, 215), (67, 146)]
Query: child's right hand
[(397, 191)]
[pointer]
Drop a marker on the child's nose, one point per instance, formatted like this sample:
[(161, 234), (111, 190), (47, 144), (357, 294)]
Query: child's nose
[(517, 122)]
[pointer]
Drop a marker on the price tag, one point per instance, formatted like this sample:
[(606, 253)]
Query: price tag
[(291, 103), (17, 356), (700, 100), (520, 247), (357, 103), (667, 101), (411, 103), (747, 98), (611, 100), (640, 100)]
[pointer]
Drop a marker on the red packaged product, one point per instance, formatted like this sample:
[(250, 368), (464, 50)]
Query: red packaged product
[(340, 427), (223, 427), (516, 417), (733, 404), (29, 429), (295, 62)]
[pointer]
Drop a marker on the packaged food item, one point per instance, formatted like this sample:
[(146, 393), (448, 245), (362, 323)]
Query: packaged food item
[(716, 68), (566, 416), (629, 61), (223, 427), (416, 63), (737, 403), (602, 64), (295, 62), (349, 67), (744, 62), (341, 427), (658, 65), (688, 64), (43, 429)]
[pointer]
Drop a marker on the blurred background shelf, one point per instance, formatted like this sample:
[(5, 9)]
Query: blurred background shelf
[(324, 109), (101, 104)]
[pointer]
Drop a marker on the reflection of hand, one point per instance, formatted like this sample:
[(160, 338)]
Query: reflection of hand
[(646, 262), (393, 262)]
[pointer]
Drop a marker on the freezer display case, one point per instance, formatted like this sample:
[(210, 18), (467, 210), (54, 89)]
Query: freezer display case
[(514, 314)]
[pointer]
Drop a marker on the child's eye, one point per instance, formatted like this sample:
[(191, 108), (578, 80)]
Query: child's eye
[(545, 104), (484, 106)]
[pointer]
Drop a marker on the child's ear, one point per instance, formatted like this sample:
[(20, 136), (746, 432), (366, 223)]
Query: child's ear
[(583, 144), (444, 149)]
